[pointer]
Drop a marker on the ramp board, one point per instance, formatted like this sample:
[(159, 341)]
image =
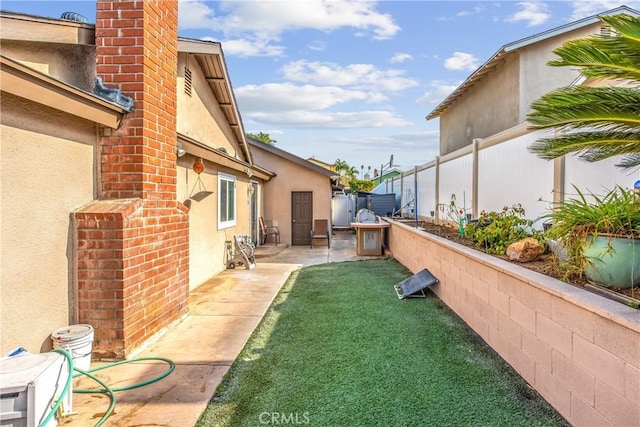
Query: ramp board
[(415, 285)]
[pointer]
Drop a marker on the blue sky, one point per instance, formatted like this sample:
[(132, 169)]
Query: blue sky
[(353, 80)]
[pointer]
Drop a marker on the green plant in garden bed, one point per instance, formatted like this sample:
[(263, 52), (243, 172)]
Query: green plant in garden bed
[(495, 231), (578, 222)]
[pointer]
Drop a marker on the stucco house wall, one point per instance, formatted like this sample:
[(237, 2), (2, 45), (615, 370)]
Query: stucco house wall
[(200, 118), (47, 171), (291, 176), (199, 115), (487, 108), (538, 78), (207, 242)]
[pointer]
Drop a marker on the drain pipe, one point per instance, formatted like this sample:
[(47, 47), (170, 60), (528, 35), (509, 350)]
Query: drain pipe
[(74, 305)]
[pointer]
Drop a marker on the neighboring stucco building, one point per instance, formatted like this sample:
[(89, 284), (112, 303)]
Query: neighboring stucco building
[(299, 193), (104, 219), (498, 95), (320, 163)]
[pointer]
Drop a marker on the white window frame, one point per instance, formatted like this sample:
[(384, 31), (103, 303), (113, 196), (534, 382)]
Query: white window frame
[(225, 222)]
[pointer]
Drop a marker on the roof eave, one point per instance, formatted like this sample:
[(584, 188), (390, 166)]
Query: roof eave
[(200, 48), (25, 82), (291, 157), (198, 149)]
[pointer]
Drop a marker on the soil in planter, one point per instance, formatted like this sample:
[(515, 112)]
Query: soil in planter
[(546, 264)]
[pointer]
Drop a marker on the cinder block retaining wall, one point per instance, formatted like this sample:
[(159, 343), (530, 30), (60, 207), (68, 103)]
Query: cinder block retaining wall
[(580, 351)]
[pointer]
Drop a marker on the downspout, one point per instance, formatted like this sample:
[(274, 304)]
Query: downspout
[(73, 272)]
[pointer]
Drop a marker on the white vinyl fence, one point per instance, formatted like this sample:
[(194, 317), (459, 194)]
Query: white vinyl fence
[(500, 171)]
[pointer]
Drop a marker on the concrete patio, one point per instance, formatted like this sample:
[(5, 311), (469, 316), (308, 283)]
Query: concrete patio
[(223, 312)]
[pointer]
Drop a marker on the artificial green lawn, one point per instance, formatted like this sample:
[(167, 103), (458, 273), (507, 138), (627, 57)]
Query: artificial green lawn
[(338, 348)]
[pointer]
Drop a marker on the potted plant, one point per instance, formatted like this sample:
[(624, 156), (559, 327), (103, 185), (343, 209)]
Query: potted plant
[(600, 236)]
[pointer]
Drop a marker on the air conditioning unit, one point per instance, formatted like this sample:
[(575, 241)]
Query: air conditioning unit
[(29, 387)]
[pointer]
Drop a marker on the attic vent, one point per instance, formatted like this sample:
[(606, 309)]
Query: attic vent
[(73, 16), (605, 30), (187, 81)]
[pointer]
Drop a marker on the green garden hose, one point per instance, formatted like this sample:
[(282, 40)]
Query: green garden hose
[(110, 391)]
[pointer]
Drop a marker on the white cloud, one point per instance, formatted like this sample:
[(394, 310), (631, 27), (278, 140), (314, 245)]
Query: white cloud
[(400, 58), (438, 92), (289, 105), (476, 10), (583, 9), (317, 45), (288, 97), (330, 120), (461, 61), (533, 13), (263, 22), (194, 14), (360, 76), (247, 47)]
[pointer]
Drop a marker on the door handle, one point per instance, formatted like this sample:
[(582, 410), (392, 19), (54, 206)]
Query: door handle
[(293, 220)]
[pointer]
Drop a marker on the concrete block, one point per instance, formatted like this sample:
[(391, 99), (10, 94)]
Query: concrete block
[(537, 349), (523, 315), (576, 379), (603, 365), (615, 407), (554, 334), (553, 391)]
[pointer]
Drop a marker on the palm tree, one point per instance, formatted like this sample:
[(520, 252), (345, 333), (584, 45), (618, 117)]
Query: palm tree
[(346, 171), (595, 122)]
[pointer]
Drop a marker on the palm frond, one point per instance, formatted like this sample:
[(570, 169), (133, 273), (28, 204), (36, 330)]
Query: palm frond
[(616, 108), (591, 146), (630, 161), (599, 58), (596, 122), (627, 26)]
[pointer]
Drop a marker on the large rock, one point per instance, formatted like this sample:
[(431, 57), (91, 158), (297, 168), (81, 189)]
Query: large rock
[(525, 250)]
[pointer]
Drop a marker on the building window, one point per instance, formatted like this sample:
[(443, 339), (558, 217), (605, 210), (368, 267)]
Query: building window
[(226, 200)]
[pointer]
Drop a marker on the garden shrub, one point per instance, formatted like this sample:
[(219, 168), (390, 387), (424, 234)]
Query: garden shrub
[(495, 231)]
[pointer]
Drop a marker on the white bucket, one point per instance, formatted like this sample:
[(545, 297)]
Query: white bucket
[(78, 341)]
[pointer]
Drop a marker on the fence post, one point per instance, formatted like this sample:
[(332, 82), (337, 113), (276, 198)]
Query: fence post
[(437, 190), (415, 194), (402, 195), (558, 180), (475, 178)]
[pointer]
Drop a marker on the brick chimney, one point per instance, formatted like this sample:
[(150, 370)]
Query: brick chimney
[(133, 243)]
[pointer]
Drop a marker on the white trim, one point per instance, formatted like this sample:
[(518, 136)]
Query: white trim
[(226, 178)]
